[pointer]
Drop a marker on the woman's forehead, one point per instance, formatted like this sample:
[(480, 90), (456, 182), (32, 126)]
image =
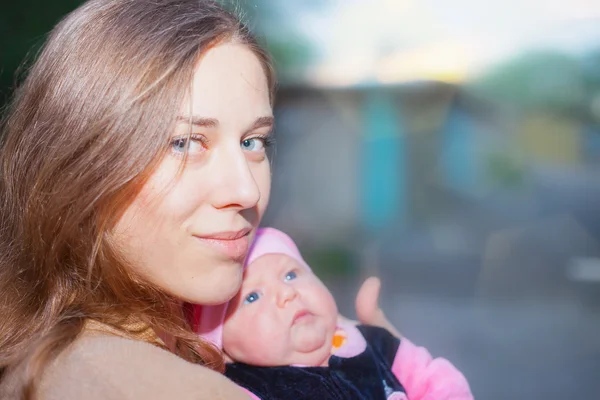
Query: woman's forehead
[(229, 81)]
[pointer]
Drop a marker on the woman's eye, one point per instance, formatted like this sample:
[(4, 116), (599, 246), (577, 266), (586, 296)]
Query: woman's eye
[(254, 144), (180, 145), (251, 298), (290, 275)]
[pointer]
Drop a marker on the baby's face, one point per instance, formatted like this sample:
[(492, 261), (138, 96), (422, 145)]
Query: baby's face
[(283, 315)]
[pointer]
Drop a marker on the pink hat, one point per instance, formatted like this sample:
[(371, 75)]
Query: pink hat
[(207, 321)]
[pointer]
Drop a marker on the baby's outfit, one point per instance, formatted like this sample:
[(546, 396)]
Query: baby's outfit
[(367, 362)]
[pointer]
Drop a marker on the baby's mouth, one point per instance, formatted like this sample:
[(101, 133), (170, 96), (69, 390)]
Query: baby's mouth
[(301, 317)]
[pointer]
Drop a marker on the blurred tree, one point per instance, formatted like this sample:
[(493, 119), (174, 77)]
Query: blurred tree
[(538, 80), (591, 76), (23, 27), (504, 169), (275, 22)]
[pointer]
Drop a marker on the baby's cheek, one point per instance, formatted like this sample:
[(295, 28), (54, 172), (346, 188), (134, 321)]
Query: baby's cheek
[(265, 343), (255, 343), (235, 334)]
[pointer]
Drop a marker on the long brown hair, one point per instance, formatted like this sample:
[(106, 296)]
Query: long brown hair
[(83, 132)]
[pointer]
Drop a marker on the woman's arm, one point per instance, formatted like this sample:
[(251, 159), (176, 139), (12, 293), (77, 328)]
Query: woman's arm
[(109, 367)]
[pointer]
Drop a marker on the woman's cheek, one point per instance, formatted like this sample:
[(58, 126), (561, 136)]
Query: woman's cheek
[(263, 180)]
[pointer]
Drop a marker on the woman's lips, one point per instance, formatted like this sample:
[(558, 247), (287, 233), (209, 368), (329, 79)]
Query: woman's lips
[(233, 245)]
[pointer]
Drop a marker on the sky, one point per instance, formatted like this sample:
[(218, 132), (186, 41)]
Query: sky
[(451, 40)]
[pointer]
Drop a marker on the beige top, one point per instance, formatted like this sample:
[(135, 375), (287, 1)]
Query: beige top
[(100, 365)]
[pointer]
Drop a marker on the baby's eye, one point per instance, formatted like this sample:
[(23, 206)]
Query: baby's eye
[(251, 298), (290, 275)]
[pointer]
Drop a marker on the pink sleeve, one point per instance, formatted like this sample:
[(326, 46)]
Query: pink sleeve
[(252, 395), (425, 378)]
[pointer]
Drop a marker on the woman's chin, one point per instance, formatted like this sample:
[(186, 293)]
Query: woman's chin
[(223, 290), (221, 297)]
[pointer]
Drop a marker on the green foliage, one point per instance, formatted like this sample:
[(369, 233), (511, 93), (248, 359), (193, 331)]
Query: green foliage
[(290, 56), (539, 80), (272, 20), (331, 262), (504, 170), (23, 28)]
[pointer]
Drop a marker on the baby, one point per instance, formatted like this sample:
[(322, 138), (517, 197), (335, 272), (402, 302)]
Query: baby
[(283, 340)]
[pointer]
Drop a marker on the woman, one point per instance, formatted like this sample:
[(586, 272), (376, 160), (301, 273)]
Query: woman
[(134, 176)]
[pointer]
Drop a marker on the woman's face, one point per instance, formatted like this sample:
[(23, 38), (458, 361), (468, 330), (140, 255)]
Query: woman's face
[(188, 231)]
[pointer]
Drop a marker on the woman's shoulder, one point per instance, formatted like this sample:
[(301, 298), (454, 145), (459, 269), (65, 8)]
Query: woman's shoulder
[(105, 366)]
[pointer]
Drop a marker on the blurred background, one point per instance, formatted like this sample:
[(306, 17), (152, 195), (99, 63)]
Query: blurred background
[(451, 148)]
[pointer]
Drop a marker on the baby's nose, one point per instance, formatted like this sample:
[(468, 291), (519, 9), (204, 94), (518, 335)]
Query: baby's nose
[(286, 294)]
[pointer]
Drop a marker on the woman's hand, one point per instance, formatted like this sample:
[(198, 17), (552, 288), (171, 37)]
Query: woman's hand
[(367, 306), (422, 376)]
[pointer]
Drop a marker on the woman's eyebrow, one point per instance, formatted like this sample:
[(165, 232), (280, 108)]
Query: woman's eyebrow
[(262, 122), (213, 123), (199, 121)]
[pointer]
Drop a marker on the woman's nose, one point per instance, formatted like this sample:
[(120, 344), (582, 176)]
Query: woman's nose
[(236, 184)]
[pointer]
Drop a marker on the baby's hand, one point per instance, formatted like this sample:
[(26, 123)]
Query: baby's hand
[(367, 306)]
